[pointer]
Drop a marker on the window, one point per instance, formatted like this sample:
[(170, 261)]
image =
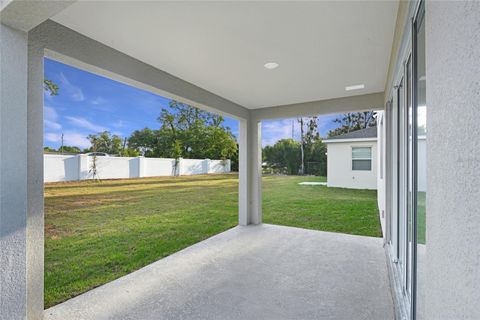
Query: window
[(362, 158)]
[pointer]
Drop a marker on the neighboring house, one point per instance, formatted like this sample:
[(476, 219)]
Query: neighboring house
[(352, 159)]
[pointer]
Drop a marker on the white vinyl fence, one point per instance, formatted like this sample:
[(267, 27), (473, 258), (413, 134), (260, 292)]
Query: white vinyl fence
[(79, 167)]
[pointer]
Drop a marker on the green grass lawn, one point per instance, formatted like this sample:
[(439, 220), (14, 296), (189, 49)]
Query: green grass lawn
[(96, 232), (319, 207), (421, 217)]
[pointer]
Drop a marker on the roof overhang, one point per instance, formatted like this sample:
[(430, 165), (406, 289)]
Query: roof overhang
[(350, 140), (322, 46)]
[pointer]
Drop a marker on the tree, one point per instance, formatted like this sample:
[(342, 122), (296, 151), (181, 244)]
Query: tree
[(353, 121), (186, 132), (71, 149), (189, 132), (48, 149), (305, 157), (68, 149), (284, 156), (308, 135), (144, 141), (128, 152), (317, 158), (105, 142), (302, 148), (51, 87)]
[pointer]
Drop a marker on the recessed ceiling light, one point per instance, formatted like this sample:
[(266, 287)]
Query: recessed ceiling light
[(355, 87), (271, 65)]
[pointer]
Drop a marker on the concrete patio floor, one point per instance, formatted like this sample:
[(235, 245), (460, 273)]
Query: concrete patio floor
[(254, 272)]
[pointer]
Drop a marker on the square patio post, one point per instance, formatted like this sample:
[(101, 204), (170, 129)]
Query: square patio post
[(250, 173), (35, 177), (13, 174)]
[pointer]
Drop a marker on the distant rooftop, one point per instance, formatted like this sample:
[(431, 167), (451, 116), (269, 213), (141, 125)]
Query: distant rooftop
[(370, 132)]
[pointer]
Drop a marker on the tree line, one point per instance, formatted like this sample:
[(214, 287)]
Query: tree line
[(190, 133), (185, 132), (309, 155)]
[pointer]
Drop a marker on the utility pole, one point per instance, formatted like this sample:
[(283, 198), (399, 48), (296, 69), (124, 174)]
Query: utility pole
[(61, 147), (302, 165)]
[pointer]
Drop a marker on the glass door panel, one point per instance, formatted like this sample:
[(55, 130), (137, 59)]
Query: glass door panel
[(402, 174), (396, 222), (420, 110), (409, 179)]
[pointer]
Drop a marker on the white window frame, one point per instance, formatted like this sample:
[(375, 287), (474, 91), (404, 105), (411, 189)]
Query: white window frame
[(370, 159)]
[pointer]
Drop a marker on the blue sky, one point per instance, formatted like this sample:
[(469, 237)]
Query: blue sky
[(88, 103)]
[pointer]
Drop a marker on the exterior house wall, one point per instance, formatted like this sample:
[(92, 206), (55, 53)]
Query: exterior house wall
[(339, 166), (452, 288), (381, 171)]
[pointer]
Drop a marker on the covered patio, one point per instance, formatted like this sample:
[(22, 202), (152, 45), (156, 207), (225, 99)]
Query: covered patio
[(256, 61), (247, 272), (250, 272)]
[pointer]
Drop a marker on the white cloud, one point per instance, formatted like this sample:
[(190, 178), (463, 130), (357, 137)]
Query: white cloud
[(75, 92), (70, 138), (50, 117), (118, 124), (272, 131), (85, 124), (47, 96), (49, 113), (98, 100), (53, 137), (76, 139), (52, 125)]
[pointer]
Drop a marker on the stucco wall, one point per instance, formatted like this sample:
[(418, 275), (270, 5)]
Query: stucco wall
[(115, 167), (453, 161), (155, 167), (79, 167), (381, 167), (339, 166), (61, 168), (13, 173)]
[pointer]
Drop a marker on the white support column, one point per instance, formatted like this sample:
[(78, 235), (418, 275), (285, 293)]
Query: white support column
[(13, 173), (35, 199), (250, 173), (21, 158)]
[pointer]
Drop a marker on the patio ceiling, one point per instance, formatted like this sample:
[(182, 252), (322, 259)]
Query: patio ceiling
[(321, 47)]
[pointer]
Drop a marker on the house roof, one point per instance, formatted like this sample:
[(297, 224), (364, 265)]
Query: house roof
[(366, 133)]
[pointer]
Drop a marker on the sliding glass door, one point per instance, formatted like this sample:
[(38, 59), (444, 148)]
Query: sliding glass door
[(407, 170)]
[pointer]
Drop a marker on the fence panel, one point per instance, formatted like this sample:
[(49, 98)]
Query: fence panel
[(80, 167)]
